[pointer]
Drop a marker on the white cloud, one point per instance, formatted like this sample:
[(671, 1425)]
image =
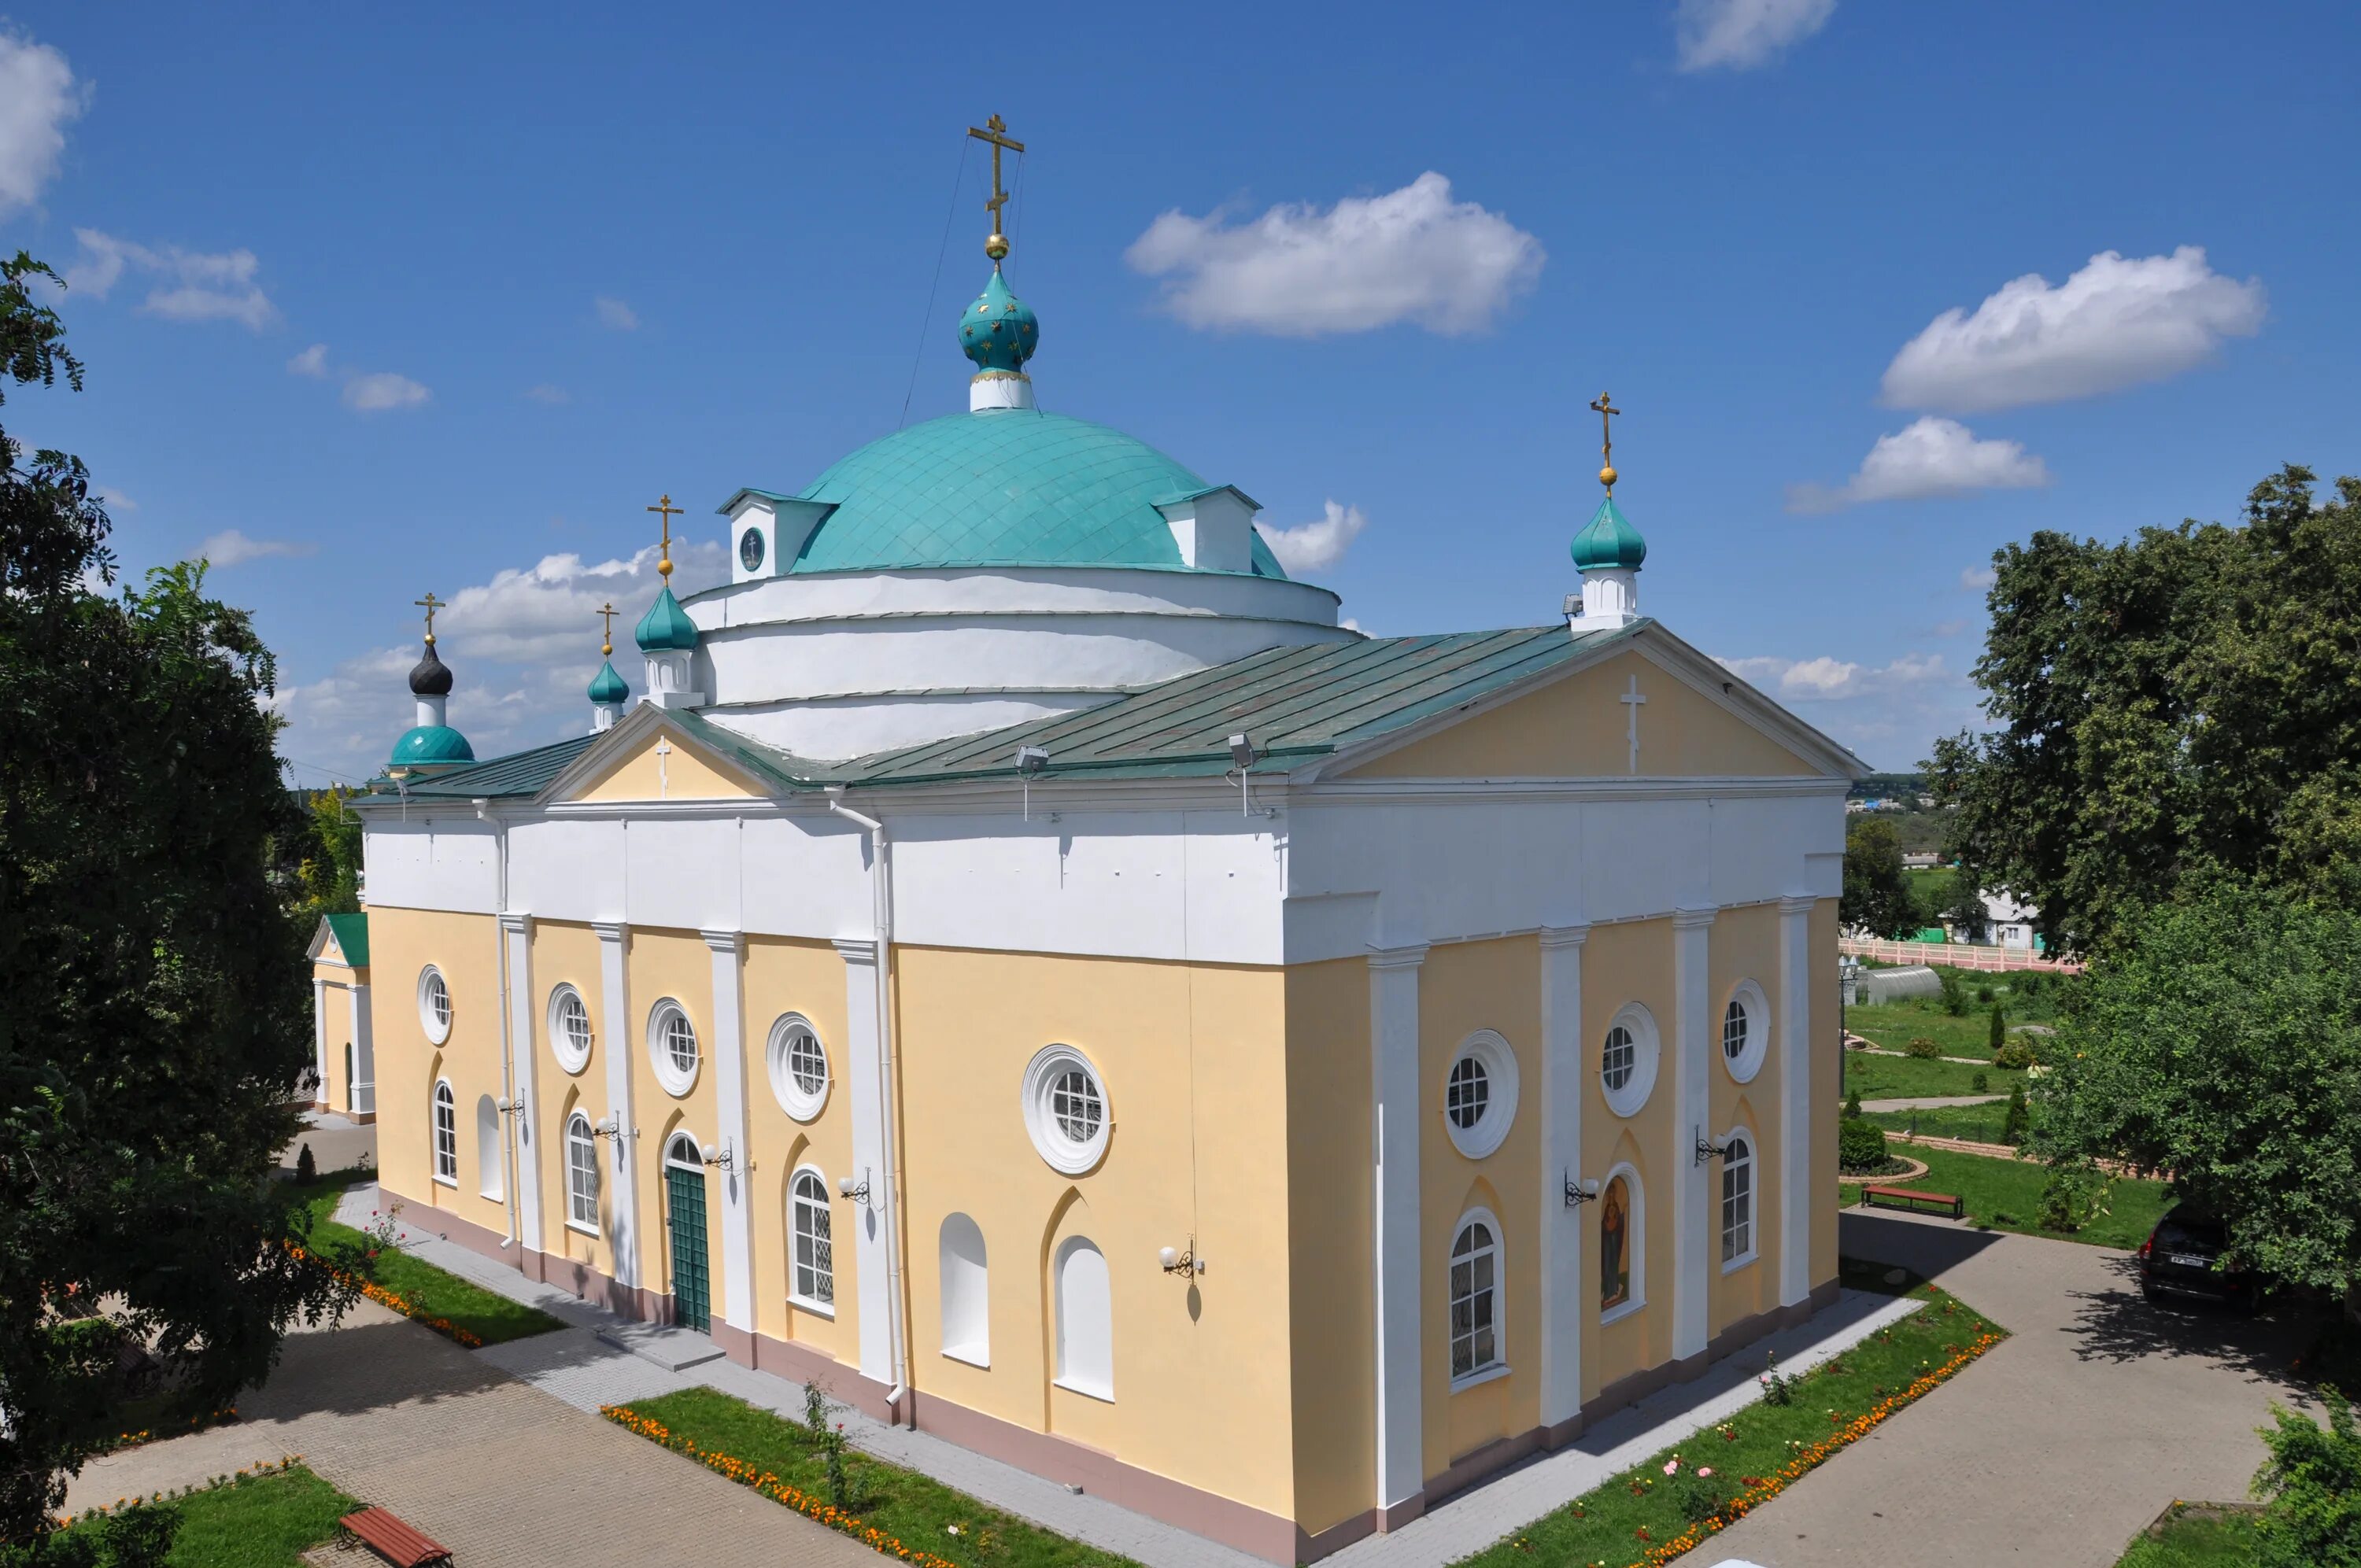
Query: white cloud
[(1927, 458), (233, 548), (190, 285), (615, 313), (377, 390), (2114, 323), (1743, 34), (1317, 545), (115, 501), (1412, 255), (546, 393), (313, 361), (1976, 579), (1828, 679), (39, 98)]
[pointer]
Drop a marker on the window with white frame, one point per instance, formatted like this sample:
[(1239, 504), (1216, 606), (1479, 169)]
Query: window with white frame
[(446, 1135), (798, 1064), (569, 1028), (967, 1292), (1627, 1060), (672, 1046), (1085, 1320), (1737, 1199), (1475, 1298), (1065, 1109), (434, 1005), (813, 1283), (581, 1174), (1479, 1094), (1745, 1030)]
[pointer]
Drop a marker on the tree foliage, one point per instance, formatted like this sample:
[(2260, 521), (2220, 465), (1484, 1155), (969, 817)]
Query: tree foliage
[(2312, 1517), (2189, 699), (2222, 1044), (1877, 896), (152, 1004)]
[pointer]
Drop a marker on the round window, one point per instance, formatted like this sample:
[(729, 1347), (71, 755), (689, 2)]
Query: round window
[(749, 549), (569, 1029), (1479, 1094), (1065, 1109), (798, 1066), (1627, 1060), (672, 1046), (433, 1004), (1745, 1031)]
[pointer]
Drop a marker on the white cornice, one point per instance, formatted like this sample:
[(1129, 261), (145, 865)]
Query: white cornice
[(1408, 956), (1461, 792)]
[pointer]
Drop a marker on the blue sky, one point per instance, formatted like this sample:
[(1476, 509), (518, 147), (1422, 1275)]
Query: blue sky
[(557, 264)]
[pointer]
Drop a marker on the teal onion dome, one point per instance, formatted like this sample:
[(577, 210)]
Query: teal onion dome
[(607, 688), (999, 332), (666, 626), (1609, 540), (431, 743)]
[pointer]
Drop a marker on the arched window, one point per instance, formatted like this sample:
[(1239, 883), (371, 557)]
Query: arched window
[(1085, 1320), (488, 1149), (813, 1283), (1621, 1236), (569, 1028), (967, 1292), (1737, 1200), (1475, 1298), (446, 1135), (581, 1175)]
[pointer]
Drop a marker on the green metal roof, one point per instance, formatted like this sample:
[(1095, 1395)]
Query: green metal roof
[(1005, 487), (431, 743), (519, 773), (351, 937)]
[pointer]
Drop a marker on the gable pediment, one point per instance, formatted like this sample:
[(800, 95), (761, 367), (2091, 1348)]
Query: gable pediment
[(646, 759)]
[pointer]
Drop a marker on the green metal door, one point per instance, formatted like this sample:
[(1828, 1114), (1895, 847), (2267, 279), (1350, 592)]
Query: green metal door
[(692, 1282)]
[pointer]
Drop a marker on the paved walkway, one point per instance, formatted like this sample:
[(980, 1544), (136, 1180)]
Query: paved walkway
[(2060, 1444), (1931, 1102), (338, 1143)]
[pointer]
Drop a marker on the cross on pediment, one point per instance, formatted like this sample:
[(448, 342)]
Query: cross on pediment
[(664, 774), (1632, 702)]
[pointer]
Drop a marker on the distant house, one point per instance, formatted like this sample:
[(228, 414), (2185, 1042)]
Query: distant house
[(2008, 923), (1920, 860)]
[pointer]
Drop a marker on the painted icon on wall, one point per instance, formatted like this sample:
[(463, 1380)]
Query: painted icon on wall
[(1615, 1245)]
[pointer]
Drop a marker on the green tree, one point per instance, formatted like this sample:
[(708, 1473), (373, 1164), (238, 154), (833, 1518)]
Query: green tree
[(1999, 1031), (152, 1018), (2311, 1484), (2181, 701), (2220, 1041), (2018, 1119), (1876, 895), (329, 868)]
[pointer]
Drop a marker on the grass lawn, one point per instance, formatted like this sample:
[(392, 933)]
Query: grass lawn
[(1896, 1078), (902, 1504), (261, 1521), (1763, 1445), (2196, 1541), (2006, 1194), (1896, 1025), (491, 1318), (1976, 1124)]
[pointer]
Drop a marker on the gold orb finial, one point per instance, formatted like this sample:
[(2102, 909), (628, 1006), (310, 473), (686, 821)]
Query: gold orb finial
[(996, 246), (1607, 476)]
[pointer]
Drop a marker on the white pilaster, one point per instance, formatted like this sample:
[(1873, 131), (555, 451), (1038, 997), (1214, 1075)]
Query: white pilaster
[(361, 1093), (1693, 1210), (872, 1230), (1561, 1225), (729, 1103), (320, 1041), (1393, 1079), (516, 933), (623, 1166), (1795, 1040)]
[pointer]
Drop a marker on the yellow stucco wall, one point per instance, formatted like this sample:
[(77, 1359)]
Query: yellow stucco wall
[(1828, 1068), (1577, 728), (464, 947), (565, 952), (679, 966), (784, 976), (1743, 946), (1330, 1192), (337, 1025), (682, 772), (1621, 963), (1193, 1060)]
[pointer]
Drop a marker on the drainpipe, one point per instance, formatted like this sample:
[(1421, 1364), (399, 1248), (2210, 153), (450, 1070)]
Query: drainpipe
[(509, 1108), (882, 883)]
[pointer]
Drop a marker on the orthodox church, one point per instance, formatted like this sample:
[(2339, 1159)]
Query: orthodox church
[(1023, 964)]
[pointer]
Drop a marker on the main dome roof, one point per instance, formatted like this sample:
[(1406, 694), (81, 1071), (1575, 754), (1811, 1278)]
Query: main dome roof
[(1002, 487)]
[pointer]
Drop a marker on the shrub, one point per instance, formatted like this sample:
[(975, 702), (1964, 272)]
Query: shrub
[(1852, 1104), (1697, 1491), (1980, 1081), (1777, 1389), (306, 1168), (1860, 1145), (2013, 1125), (2311, 1484), (1955, 991), (2015, 1055), (1999, 1035), (828, 1437), (1983, 993), (2075, 1194), (1922, 1047)]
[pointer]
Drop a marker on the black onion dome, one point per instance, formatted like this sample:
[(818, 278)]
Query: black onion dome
[(430, 676)]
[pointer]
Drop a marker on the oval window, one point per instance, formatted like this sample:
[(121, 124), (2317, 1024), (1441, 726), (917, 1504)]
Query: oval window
[(749, 549)]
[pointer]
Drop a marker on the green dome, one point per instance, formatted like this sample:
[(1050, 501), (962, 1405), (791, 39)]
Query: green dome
[(607, 686), (1002, 487), (1609, 541), (431, 743), (999, 332), (666, 625)]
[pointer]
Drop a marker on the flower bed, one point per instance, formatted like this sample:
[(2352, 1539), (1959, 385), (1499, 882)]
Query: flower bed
[(395, 1300)]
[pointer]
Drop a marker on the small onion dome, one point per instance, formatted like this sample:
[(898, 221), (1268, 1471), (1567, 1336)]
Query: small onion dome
[(666, 626), (999, 332), (1609, 540), (430, 676), (432, 743), (608, 687)]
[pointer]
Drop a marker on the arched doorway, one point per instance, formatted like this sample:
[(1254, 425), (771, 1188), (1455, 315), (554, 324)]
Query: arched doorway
[(692, 1276)]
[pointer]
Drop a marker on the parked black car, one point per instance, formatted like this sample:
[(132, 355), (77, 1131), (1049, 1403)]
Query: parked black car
[(2181, 1257)]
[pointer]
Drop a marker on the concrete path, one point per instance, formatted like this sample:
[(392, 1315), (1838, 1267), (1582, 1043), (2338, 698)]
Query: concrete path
[(1859, 1045), (2060, 1444), (338, 1143), (1932, 1101)]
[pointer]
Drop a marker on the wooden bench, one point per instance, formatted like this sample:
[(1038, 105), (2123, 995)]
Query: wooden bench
[(1911, 1198), (394, 1540)]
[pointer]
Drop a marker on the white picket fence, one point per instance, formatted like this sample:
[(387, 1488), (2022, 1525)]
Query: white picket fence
[(1957, 955)]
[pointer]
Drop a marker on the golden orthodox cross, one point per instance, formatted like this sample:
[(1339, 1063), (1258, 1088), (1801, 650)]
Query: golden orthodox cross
[(1607, 412), (665, 506), (607, 631), (995, 132), (432, 604)]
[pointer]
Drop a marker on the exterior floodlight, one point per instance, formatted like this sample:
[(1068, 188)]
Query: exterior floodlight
[(1242, 751), (1032, 759)]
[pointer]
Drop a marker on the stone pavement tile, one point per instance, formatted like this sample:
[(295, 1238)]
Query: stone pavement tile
[(1931, 1102), (2058, 1444)]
